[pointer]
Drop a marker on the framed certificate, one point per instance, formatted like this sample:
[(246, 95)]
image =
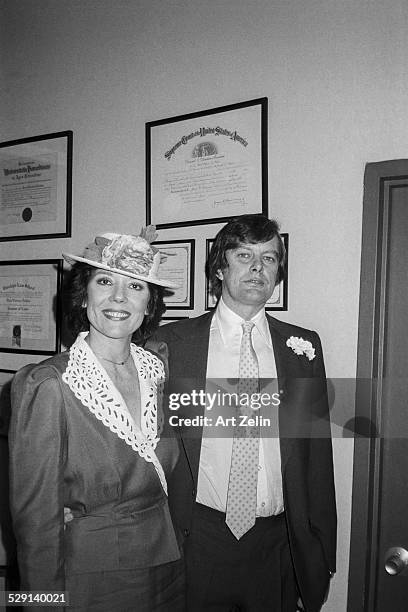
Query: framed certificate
[(279, 297), (207, 167), (177, 264), (30, 306), (36, 187), (6, 376)]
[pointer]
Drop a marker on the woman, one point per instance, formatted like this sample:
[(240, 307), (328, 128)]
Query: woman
[(85, 434)]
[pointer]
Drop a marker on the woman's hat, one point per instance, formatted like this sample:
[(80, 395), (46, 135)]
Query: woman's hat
[(125, 254)]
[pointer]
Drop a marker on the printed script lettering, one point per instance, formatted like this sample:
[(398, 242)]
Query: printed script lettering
[(203, 180)]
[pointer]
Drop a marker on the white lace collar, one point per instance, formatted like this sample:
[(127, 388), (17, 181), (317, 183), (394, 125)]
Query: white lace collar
[(90, 383)]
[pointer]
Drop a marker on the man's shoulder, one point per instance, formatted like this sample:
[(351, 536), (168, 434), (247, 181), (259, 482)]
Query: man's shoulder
[(184, 328), (290, 329)]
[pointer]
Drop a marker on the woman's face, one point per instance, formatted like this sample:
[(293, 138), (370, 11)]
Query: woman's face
[(116, 304)]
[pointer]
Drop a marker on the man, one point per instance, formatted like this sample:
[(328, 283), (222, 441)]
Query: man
[(286, 549)]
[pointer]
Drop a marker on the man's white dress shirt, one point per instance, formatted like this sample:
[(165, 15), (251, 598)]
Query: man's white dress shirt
[(215, 458)]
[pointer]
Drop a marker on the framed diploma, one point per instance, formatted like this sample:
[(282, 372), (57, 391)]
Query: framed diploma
[(177, 264), (6, 376), (207, 167), (279, 297), (30, 306), (36, 187)]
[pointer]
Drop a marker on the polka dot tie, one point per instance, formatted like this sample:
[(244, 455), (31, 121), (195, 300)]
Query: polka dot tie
[(243, 480)]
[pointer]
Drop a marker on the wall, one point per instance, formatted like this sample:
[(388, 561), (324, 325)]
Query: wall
[(335, 74)]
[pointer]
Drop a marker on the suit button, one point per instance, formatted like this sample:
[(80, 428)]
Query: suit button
[(194, 492), (186, 532)]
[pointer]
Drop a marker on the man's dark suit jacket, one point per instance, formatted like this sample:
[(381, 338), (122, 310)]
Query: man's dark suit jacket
[(306, 450)]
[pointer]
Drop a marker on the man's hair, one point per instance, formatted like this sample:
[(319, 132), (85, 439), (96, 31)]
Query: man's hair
[(76, 291), (246, 229)]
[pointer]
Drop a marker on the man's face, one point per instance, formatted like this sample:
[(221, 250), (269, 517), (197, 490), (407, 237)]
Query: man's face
[(250, 277)]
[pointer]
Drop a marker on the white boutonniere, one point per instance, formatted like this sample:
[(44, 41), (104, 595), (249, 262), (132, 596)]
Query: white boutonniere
[(301, 347)]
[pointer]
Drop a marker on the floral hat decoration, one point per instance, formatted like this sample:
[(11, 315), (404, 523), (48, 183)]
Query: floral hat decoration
[(132, 256)]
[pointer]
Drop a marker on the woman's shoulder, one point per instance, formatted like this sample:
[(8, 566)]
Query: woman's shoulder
[(37, 398), (36, 373)]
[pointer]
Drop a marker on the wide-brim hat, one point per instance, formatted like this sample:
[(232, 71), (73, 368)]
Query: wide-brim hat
[(132, 256)]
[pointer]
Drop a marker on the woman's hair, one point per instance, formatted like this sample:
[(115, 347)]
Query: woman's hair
[(76, 292), (250, 229)]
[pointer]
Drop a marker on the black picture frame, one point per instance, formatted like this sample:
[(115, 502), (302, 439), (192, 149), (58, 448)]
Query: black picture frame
[(36, 187), (31, 306), (183, 298), (6, 377), (210, 185)]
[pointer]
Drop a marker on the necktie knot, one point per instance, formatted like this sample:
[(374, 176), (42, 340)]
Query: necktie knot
[(247, 327)]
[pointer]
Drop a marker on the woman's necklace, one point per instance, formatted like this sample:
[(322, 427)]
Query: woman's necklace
[(120, 363)]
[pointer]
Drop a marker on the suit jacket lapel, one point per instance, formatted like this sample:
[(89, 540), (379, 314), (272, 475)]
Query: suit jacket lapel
[(192, 352), (292, 377), (192, 357)]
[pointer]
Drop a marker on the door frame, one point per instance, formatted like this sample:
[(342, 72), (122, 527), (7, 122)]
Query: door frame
[(368, 404)]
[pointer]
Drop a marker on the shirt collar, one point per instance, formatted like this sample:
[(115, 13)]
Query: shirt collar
[(227, 321)]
